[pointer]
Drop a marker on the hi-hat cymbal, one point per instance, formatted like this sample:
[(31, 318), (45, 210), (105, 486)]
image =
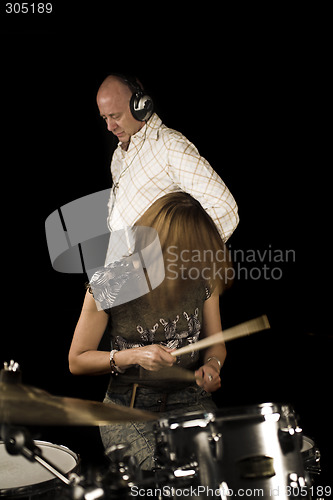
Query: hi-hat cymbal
[(26, 405)]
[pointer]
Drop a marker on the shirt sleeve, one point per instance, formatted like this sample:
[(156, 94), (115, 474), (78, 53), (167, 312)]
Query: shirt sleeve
[(194, 175)]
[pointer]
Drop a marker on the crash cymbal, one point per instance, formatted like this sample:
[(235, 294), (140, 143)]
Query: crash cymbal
[(26, 405)]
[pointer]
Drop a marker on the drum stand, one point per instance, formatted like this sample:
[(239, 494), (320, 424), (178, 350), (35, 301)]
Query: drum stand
[(18, 441)]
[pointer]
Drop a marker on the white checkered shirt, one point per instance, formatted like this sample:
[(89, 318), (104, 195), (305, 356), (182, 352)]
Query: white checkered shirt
[(160, 160)]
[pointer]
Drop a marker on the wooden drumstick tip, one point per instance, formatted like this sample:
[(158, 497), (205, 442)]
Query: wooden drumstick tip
[(266, 322)]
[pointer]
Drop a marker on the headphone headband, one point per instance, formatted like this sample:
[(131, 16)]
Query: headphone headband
[(133, 84)]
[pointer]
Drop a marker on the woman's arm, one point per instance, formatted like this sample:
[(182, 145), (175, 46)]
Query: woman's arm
[(85, 359), (211, 325)]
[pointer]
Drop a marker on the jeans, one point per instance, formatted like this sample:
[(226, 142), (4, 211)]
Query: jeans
[(139, 436)]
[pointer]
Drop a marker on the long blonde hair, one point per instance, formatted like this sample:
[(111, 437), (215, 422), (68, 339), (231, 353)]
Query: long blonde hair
[(191, 244)]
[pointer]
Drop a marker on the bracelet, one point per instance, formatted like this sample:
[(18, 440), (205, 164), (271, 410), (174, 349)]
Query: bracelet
[(216, 359), (114, 369)]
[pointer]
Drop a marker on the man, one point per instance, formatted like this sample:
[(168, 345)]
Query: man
[(152, 160)]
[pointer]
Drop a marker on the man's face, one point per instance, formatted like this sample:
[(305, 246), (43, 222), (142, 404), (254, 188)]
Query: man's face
[(113, 103)]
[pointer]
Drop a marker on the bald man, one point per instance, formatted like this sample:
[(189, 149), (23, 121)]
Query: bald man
[(113, 102), (152, 160)]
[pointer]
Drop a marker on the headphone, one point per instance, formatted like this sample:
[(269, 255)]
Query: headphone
[(141, 105)]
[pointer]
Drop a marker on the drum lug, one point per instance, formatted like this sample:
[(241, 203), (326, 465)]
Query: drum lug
[(216, 436), (215, 441), (11, 373), (317, 456)]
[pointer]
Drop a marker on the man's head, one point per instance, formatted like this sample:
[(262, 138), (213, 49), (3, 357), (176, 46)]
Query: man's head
[(113, 101)]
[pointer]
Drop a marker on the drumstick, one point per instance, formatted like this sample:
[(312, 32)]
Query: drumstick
[(168, 374), (235, 332)]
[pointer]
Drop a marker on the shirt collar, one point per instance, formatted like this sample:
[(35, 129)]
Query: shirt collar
[(148, 131)]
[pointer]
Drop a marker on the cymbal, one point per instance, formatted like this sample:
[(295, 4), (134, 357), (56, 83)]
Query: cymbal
[(26, 405)]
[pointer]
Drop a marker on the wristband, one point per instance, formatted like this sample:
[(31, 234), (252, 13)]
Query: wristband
[(114, 369), (216, 359)]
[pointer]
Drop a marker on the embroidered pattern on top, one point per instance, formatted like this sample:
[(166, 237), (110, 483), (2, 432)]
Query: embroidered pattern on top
[(173, 338)]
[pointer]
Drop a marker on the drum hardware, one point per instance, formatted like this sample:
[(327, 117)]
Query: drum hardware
[(247, 447), (208, 474), (123, 473), (14, 369), (169, 437), (258, 446), (18, 441), (287, 442), (296, 482), (311, 459), (20, 477), (215, 439), (189, 470), (184, 452), (120, 463)]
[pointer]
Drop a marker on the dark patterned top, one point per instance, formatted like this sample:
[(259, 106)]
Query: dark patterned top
[(142, 322)]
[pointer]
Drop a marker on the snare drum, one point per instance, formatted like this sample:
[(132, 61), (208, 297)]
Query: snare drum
[(21, 478)]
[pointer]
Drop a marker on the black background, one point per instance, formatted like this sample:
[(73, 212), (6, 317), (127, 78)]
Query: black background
[(249, 91)]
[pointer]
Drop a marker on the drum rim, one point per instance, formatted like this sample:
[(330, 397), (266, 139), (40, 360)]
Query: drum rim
[(309, 453), (260, 409), (180, 420), (231, 413)]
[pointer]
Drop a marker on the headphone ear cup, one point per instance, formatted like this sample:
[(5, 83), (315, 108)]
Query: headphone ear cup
[(141, 106)]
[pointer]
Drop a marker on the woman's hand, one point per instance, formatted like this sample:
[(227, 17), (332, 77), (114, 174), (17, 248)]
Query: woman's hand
[(153, 357), (208, 378)]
